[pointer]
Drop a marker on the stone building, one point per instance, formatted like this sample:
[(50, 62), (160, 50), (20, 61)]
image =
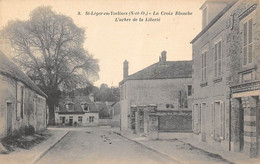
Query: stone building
[(77, 109), (167, 84), (225, 76), (22, 103)]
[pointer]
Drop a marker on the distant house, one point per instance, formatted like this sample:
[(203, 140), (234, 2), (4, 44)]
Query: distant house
[(77, 109), (22, 103), (226, 76), (167, 84)]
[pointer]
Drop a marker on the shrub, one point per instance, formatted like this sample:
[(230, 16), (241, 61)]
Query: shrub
[(29, 130)]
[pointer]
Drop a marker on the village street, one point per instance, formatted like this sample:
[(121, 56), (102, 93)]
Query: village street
[(99, 145)]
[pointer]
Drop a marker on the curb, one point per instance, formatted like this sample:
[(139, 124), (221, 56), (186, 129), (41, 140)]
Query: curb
[(150, 148), (37, 158)]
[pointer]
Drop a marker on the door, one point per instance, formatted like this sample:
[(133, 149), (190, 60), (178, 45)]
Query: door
[(70, 121), (203, 122), (9, 119), (258, 124), (63, 120), (241, 126)]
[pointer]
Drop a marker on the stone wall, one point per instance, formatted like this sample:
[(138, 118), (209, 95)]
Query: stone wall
[(162, 92), (229, 30), (33, 113)]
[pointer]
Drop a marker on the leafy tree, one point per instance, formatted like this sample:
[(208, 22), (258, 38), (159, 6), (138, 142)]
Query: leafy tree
[(49, 48), (104, 93)]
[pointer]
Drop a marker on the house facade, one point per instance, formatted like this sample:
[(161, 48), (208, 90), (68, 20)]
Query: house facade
[(225, 76), (22, 103), (78, 109), (167, 84)]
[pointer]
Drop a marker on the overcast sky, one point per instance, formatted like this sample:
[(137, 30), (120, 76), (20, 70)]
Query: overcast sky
[(113, 42)]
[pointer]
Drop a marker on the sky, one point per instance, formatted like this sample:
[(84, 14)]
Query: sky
[(111, 41)]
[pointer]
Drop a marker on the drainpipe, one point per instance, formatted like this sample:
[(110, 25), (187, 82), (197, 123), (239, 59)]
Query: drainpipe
[(230, 98)]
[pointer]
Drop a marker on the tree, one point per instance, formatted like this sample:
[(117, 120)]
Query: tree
[(104, 93), (49, 48)]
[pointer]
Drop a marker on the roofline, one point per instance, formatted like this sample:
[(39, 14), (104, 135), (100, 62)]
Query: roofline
[(212, 1), (156, 78), (213, 21), (124, 80), (10, 76)]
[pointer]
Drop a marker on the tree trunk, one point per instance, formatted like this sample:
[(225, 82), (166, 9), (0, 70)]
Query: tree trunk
[(51, 111)]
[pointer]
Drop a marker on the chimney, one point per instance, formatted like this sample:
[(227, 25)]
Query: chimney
[(91, 97), (211, 8), (125, 69), (163, 57)]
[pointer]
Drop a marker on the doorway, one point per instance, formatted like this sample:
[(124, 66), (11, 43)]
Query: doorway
[(70, 121), (241, 126), (258, 124), (9, 119), (203, 122)]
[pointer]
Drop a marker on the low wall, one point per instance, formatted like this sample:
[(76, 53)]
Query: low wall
[(109, 122), (176, 122), (170, 124)]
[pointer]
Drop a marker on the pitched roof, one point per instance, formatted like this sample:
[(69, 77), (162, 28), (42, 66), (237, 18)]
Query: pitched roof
[(9, 69), (77, 102), (214, 20), (166, 70)]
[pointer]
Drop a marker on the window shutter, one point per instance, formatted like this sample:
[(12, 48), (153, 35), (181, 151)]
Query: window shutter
[(212, 119), (245, 34), (219, 50), (222, 119), (215, 54), (215, 69), (219, 67), (245, 55), (250, 28), (250, 53)]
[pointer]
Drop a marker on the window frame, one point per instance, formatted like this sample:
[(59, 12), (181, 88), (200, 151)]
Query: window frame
[(217, 57), (249, 42), (221, 120), (68, 106), (19, 101), (84, 105)]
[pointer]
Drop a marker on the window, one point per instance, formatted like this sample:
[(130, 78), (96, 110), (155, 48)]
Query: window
[(247, 42), (85, 106), (218, 120), (91, 118), (196, 119), (20, 96), (217, 58), (70, 106), (204, 67), (183, 99), (169, 106), (80, 119), (189, 90)]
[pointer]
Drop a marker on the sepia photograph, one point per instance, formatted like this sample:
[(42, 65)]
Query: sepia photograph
[(129, 82)]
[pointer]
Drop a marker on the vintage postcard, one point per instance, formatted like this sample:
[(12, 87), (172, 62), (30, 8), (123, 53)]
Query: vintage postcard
[(129, 81)]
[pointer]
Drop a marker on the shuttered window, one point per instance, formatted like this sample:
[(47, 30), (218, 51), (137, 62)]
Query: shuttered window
[(247, 42), (204, 67), (217, 59), (218, 120)]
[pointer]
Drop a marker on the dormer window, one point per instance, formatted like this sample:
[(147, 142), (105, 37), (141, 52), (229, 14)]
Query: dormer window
[(70, 106), (85, 106)]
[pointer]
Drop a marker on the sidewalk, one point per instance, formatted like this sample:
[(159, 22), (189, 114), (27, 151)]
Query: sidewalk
[(20, 156), (187, 150)]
